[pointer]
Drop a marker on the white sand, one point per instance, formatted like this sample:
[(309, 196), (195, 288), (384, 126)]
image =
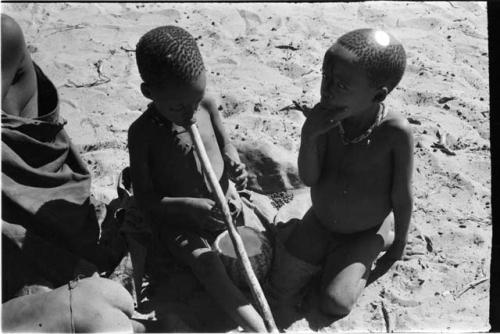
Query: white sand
[(447, 57)]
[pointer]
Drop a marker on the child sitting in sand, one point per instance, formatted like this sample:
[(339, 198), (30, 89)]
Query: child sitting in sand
[(357, 156), (167, 178)]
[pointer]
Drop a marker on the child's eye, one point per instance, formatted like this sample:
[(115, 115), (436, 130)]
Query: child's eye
[(341, 85)]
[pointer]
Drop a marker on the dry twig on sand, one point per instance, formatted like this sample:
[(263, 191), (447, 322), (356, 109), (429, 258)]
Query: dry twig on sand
[(127, 49), (472, 285), (102, 78), (443, 149), (441, 144), (387, 319), (67, 28), (288, 47), (428, 241)]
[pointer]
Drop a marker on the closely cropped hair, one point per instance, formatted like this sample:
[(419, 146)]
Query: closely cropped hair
[(167, 53), (379, 53)]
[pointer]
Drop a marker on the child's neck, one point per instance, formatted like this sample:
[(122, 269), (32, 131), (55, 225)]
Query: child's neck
[(359, 123)]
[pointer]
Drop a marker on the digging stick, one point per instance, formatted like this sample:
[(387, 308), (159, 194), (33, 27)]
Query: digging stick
[(250, 277)]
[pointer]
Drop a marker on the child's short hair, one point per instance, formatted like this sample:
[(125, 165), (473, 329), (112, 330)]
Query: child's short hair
[(166, 53), (379, 53)]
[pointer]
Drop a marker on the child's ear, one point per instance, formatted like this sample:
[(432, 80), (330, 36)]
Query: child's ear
[(381, 94), (146, 91)]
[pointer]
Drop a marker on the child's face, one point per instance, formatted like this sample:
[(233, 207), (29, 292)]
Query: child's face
[(345, 84), (177, 101)]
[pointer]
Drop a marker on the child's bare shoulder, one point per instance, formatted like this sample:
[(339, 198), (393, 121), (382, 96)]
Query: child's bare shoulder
[(395, 121), (139, 128), (209, 103), (397, 127)]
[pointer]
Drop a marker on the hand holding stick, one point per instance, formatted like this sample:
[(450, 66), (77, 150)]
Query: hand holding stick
[(251, 279)]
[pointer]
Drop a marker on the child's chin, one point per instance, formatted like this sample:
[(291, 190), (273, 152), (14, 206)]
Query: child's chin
[(185, 122)]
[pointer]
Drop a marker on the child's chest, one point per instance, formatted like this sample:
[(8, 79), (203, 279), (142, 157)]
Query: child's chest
[(367, 156), (173, 161)]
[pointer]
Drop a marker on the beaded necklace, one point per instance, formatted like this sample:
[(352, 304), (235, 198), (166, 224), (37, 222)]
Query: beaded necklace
[(380, 116)]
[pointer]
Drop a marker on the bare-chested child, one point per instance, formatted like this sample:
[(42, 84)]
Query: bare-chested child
[(166, 174), (356, 154)]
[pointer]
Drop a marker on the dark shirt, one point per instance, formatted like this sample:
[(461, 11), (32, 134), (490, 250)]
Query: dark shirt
[(174, 167)]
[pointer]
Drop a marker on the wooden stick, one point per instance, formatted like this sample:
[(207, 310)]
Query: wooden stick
[(250, 277), (472, 285), (387, 318)]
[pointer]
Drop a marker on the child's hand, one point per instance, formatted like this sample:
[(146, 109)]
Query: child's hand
[(207, 214), (384, 263), (321, 120), (394, 252), (237, 173)]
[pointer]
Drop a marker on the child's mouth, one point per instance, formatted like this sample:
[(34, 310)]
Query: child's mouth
[(331, 108)]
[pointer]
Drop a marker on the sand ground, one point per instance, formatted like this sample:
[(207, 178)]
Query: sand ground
[(260, 57)]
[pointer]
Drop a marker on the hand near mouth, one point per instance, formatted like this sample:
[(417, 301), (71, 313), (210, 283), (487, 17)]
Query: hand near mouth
[(321, 119)]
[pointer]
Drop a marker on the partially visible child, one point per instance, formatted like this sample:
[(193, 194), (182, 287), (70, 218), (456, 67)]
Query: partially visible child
[(356, 154), (166, 174), (47, 219)]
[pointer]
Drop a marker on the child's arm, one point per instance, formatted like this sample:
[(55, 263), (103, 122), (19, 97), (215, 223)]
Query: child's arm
[(313, 142), (401, 192), (202, 210), (401, 197), (231, 157)]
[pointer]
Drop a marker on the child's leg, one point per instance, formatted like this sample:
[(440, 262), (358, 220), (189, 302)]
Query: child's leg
[(208, 268), (297, 260), (348, 267), (309, 240)]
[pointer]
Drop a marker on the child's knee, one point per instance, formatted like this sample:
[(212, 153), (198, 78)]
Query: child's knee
[(337, 301)]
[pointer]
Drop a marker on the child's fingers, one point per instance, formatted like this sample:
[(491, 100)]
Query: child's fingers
[(240, 173), (241, 184), (216, 211), (305, 109), (333, 118), (340, 114), (242, 179), (240, 168), (330, 112), (215, 224)]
